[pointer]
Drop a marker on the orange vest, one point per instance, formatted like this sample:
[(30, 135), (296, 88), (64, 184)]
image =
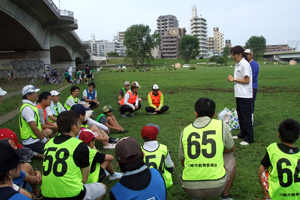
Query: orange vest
[(132, 98), (44, 111), (155, 99)]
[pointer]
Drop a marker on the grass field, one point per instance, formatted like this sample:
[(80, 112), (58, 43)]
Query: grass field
[(277, 99)]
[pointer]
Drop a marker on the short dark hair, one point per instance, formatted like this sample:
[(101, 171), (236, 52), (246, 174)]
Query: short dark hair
[(74, 88), (131, 166), (237, 50), (65, 121), (44, 95), (92, 84), (289, 130), (205, 107)]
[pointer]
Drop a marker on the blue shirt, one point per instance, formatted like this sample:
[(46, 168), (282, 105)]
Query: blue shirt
[(6, 192), (255, 69), (19, 179)]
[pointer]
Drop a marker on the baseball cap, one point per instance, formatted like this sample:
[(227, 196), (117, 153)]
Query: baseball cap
[(2, 92), (107, 108), (88, 114), (86, 136), (10, 154), (127, 150), (79, 109), (135, 84), (249, 51), (126, 83), (29, 88), (155, 87), (54, 93), (150, 131), (6, 133)]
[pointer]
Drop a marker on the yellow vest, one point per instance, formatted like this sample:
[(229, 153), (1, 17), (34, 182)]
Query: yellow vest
[(157, 159), (93, 176), (25, 130), (61, 177), (203, 152), (76, 100)]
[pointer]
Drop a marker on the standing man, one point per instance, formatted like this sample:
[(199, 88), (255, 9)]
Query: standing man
[(255, 70), (29, 122), (73, 98), (66, 164), (205, 150), (67, 78), (88, 73), (55, 107), (130, 102), (70, 71), (156, 102), (90, 96), (243, 94)]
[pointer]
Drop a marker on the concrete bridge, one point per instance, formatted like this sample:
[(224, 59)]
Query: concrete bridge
[(36, 35), (282, 55)]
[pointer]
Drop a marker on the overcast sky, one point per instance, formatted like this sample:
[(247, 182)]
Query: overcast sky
[(276, 20)]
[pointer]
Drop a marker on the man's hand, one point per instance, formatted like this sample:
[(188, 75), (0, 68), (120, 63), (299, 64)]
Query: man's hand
[(136, 107), (38, 176), (157, 109), (230, 78)]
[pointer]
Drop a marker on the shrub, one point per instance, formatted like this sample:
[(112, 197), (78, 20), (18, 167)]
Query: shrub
[(192, 68)]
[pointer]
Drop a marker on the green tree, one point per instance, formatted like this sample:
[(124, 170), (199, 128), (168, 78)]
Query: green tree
[(189, 47), (213, 58), (226, 54), (220, 60), (140, 42), (258, 45), (113, 54)]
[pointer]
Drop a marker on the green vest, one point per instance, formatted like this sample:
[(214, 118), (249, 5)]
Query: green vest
[(283, 174), (203, 152), (25, 130), (85, 126), (100, 117), (56, 112), (157, 159), (61, 177), (124, 91), (76, 100), (93, 176), (66, 74)]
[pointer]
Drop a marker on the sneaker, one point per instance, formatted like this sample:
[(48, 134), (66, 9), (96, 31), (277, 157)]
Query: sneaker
[(131, 114), (124, 131), (226, 198), (150, 113), (235, 137), (244, 143), (106, 173), (110, 146), (115, 176), (124, 115), (113, 140)]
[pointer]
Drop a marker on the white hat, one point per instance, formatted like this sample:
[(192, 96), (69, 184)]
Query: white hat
[(135, 84), (2, 92), (54, 93), (29, 88), (88, 114), (155, 87), (248, 51)]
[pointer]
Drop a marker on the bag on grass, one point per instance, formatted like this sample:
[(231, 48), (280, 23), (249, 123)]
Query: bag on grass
[(230, 117)]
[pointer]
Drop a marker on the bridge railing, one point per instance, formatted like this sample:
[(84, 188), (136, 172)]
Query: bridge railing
[(76, 36), (75, 21), (66, 13), (53, 5), (280, 51)]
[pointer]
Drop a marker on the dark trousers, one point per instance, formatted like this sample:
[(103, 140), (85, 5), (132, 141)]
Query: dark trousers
[(253, 99), (126, 108), (243, 108), (162, 110)]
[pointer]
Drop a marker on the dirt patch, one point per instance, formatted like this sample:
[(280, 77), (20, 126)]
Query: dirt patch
[(284, 89), (174, 90)]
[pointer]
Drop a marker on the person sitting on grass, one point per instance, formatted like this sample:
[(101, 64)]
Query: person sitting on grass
[(98, 161), (73, 98), (66, 164), (138, 181), (90, 96), (156, 154), (109, 120), (278, 173), (156, 102), (130, 102), (123, 91), (55, 107)]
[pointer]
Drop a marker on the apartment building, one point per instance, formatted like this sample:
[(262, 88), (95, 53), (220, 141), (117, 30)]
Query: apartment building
[(170, 42), (216, 42), (164, 22), (228, 43)]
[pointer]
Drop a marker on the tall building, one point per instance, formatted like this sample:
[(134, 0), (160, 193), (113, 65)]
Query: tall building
[(211, 43), (170, 42), (121, 36), (216, 42), (199, 29), (164, 22), (228, 43)]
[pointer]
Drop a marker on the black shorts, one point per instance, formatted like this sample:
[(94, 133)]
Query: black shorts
[(36, 147), (102, 174), (89, 76), (92, 104)]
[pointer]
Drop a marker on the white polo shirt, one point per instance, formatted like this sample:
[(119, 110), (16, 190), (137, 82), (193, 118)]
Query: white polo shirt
[(243, 90)]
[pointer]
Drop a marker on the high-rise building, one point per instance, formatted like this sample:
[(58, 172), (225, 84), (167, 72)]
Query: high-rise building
[(211, 43), (164, 22), (228, 43), (216, 42), (170, 42), (121, 36), (199, 29)]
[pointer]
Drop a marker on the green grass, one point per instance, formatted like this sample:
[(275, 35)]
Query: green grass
[(277, 99)]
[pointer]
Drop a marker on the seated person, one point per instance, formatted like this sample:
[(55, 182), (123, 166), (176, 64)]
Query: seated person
[(281, 158), (109, 120), (55, 107), (98, 161), (123, 91), (73, 98), (156, 154), (138, 181), (90, 96), (129, 102), (156, 102)]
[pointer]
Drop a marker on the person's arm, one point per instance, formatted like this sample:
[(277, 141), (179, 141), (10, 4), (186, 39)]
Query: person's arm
[(245, 80), (112, 127), (84, 94), (70, 102), (150, 102), (37, 132), (50, 114), (50, 125), (161, 101), (91, 122), (126, 98), (120, 95), (137, 100), (85, 174)]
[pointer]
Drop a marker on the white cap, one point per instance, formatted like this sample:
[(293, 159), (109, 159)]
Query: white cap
[(29, 88), (135, 84), (155, 87), (249, 51), (88, 114), (2, 92), (54, 93)]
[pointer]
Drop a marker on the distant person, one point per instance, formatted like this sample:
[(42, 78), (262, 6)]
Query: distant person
[(78, 72), (90, 96), (73, 98), (70, 71), (66, 166), (67, 78), (255, 70), (55, 107), (2, 93), (243, 94), (156, 154), (205, 150), (279, 170), (123, 91), (88, 73), (156, 102), (92, 75), (130, 102), (138, 181)]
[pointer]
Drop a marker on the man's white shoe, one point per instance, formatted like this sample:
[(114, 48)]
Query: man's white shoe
[(115, 176), (244, 143), (235, 137)]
